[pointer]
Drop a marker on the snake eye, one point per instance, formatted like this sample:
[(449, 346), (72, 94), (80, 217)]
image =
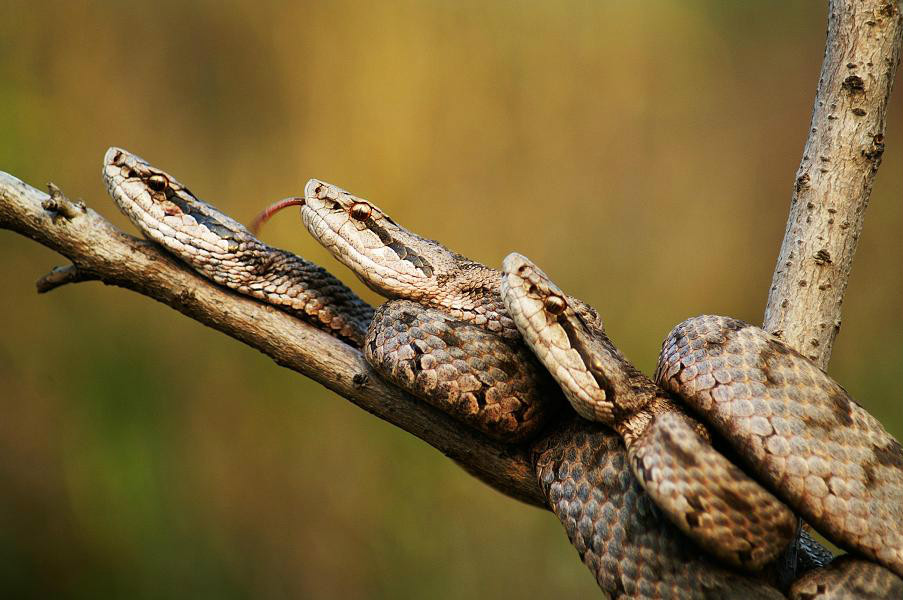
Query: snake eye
[(360, 211), (555, 304), (158, 183)]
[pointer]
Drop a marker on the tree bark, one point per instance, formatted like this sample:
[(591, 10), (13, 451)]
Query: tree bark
[(834, 180)]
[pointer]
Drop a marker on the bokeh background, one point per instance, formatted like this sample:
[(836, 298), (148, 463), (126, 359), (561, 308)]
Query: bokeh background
[(642, 153)]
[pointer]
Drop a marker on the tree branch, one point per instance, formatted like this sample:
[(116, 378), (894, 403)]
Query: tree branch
[(833, 185), (100, 251), (834, 180)]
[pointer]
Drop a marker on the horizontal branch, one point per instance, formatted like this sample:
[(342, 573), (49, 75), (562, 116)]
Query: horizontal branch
[(100, 251)]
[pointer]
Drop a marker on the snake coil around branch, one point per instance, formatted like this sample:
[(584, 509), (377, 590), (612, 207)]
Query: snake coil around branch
[(848, 128)]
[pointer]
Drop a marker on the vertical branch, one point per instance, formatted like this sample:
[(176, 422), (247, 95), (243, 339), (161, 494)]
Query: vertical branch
[(834, 180)]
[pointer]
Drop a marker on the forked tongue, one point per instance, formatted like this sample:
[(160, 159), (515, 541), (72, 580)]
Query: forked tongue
[(271, 210)]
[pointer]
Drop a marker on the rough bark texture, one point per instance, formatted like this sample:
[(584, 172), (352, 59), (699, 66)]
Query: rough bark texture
[(834, 180)]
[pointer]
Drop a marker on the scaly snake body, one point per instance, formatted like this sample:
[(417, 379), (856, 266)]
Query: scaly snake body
[(717, 511), (795, 427), (449, 338)]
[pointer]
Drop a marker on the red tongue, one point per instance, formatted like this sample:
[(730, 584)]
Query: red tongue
[(271, 210)]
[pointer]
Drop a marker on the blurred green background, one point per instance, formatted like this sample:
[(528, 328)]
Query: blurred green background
[(642, 153)]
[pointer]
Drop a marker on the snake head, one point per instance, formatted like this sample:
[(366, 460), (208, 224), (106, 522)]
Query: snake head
[(167, 212), (129, 177), (569, 339), (388, 258), (365, 239)]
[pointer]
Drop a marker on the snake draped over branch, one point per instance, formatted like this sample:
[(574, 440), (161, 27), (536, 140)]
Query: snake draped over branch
[(737, 434)]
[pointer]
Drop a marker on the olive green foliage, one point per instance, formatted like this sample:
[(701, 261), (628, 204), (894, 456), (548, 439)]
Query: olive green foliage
[(642, 153)]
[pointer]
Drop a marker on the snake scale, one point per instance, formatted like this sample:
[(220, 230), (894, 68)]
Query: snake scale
[(447, 336)]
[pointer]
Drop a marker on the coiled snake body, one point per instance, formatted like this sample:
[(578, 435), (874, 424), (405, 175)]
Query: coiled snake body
[(448, 337)]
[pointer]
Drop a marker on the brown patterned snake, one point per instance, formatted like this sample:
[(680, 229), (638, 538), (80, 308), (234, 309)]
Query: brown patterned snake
[(449, 338), (796, 428), (670, 453), (223, 250)]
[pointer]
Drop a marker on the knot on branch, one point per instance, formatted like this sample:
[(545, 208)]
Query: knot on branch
[(875, 150), (823, 257), (60, 205), (853, 84)]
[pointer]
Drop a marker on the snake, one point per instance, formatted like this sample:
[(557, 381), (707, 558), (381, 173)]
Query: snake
[(670, 453), (797, 429), (224, 251), (447, 336)]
